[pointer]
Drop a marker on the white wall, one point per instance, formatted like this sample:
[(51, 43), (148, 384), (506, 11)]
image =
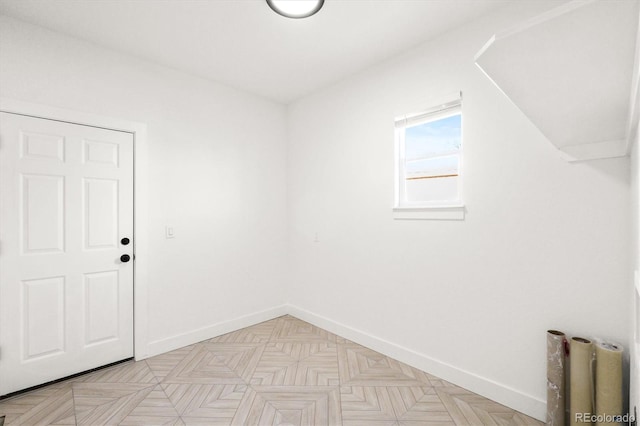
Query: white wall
[(216, 173), (635, 266), (544, 243), (634, 323)]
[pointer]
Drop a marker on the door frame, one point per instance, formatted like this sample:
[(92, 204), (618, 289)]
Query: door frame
[(140, 199)]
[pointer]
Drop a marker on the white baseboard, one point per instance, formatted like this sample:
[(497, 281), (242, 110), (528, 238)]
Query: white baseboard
[(505, 395), (158, 347)]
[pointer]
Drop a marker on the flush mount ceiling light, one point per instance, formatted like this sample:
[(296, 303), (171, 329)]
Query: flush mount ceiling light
[(295, 8)]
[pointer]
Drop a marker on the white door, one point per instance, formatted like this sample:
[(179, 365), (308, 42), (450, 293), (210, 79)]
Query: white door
[(66, 204)]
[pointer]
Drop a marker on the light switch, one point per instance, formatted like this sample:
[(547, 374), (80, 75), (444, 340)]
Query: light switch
[(169, 232)]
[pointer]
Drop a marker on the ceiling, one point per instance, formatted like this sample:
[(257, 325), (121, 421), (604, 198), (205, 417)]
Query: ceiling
[(578, 92), (244, 44)]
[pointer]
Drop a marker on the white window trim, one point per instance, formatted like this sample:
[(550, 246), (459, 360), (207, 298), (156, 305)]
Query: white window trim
[(445, 210), (429, 213)]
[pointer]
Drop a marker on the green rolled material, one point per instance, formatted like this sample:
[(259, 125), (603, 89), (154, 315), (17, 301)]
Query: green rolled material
[(581, 407), (608, 384)]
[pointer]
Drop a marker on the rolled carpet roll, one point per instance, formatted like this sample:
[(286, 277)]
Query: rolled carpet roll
[(581, 399), (608, 383), (556, 341)]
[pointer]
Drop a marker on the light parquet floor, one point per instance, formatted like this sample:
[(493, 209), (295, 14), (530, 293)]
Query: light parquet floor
[(280, 372)]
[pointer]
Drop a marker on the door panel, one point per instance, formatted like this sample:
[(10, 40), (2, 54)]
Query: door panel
[(100, 207), (102, 153), (42, 218), (66, 201), (43, 317), (42, 146), (101, 306)]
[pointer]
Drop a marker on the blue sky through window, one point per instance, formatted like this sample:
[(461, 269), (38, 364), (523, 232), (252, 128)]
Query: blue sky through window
[(433, 139)]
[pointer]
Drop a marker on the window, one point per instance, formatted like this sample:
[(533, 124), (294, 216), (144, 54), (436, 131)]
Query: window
[(429, 158)]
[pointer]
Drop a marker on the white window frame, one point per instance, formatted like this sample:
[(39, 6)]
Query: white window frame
[(446, 209)]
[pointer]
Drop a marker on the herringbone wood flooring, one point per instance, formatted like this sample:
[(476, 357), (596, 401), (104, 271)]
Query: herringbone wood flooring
[(280, 372)]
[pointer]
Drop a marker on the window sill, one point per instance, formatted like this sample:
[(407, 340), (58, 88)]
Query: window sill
[(453, 212)]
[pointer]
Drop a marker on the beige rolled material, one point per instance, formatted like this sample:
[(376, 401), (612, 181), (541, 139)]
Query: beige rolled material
[(556, 341), (581, 399), (608, 383)]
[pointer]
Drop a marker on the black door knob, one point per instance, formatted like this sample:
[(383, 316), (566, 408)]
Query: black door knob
[(124, 241), (125, 258)]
